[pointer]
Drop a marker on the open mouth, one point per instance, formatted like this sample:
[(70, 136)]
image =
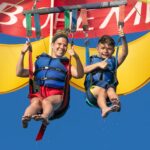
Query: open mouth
[(105, 55)]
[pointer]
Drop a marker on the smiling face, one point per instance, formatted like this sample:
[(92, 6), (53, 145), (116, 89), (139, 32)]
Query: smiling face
[(59, 47), (105, 50), (106, 46)]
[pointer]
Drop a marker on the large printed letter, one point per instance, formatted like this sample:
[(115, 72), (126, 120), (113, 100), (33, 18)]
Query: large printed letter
[(11, 15)]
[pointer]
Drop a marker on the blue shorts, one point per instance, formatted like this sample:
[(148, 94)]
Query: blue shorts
[(106, 85)]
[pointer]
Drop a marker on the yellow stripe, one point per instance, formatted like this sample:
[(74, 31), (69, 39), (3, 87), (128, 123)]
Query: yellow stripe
[(133, 74)]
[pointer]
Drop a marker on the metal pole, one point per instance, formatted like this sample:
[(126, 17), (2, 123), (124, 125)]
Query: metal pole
[(87, 6), (51, 28)]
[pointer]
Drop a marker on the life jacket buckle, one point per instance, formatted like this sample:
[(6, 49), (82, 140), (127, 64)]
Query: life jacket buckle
[(44, 78), (46, 67)]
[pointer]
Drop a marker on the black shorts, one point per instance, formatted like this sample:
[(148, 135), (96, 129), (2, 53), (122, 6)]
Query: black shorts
[(92, 101)]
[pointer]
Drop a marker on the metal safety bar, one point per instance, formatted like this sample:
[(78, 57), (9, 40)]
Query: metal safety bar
[(70, 8)]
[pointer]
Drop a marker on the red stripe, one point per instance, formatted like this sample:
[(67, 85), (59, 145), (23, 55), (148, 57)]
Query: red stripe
[(41, 132)]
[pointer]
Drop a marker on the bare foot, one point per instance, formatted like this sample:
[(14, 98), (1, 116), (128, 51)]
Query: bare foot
[(37, 117), (42, 118), (106, 111), (25, 120)]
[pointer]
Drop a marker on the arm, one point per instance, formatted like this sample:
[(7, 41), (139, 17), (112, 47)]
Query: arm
[(90, 68), (20, 70), (76, 72), (101, 65), (124, 52)]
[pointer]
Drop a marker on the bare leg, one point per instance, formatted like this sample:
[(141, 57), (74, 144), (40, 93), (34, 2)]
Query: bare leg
[(48, 105), (114, 99), (32, 109), (101, 95)]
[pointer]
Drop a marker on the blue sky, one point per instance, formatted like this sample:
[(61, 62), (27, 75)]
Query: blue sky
[(81, 128)]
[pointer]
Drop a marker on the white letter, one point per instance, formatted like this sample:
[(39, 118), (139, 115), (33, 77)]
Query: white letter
[(41, 26), (13, 18), (57, 19), (137, 8), (79, 22), (108, 17)]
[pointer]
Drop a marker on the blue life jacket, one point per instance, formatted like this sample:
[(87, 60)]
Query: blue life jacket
[(50, 72), (107, 75)]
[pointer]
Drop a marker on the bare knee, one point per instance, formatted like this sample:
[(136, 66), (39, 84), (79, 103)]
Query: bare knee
[(52, 102), (98, 91), (112, 93), (36, 102)]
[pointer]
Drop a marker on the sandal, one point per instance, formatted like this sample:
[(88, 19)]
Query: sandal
[(25, 120)]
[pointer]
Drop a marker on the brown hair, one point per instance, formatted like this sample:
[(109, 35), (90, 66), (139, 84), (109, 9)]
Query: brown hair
[(107, 39), (59, 34)]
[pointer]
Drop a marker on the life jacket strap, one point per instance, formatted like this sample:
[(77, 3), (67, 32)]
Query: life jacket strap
[(49, 78), (50, 68)]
